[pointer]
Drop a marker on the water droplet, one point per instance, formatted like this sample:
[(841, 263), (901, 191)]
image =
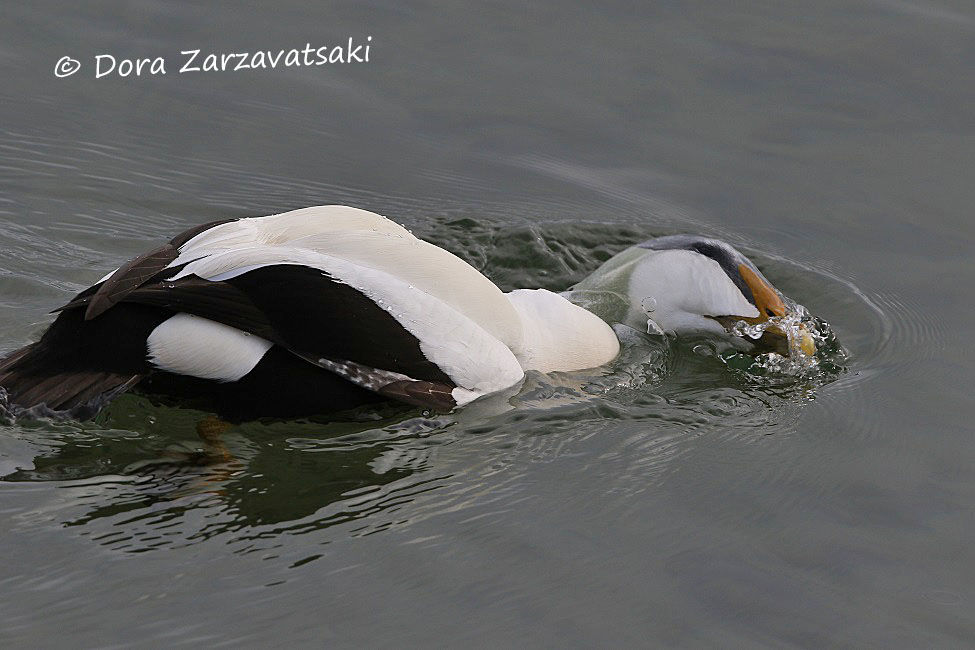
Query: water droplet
[(803, 336)]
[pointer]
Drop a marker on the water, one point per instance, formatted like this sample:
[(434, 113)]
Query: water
[(679, 497)]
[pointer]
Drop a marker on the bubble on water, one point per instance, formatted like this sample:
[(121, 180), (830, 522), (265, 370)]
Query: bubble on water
[(649, 304)]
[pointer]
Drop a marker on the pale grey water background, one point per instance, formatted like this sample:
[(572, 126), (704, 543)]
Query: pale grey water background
[(833, 140)]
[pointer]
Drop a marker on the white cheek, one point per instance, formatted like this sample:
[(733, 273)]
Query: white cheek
[(685, 287)]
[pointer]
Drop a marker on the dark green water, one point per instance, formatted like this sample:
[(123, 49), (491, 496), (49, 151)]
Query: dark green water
[(674, 502)]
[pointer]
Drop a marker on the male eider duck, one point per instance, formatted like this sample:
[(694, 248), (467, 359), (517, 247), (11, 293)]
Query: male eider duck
[(327, 308)]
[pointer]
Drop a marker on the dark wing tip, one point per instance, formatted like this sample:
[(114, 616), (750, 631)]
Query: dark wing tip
[(129, 277), (97, 305), (392, 385), (137, 271), (426, 394)]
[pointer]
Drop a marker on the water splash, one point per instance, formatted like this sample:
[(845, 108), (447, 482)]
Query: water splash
[(798, 325)]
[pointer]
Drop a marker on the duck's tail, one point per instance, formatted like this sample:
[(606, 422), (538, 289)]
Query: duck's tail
[(78, 366), (32, 382)]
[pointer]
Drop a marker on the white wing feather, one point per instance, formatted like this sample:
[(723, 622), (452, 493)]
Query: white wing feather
[(474, 358)]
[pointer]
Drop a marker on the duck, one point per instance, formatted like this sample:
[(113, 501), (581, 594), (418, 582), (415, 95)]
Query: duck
[(328, 308)]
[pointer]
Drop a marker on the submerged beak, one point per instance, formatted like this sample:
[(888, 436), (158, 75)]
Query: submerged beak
[(781, 344), (770, 305)]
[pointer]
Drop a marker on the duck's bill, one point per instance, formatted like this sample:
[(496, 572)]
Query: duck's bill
[(801, 338), (778, 321), (775, 337)]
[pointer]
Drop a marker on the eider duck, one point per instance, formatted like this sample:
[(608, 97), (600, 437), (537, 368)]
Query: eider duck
[(328, 308)]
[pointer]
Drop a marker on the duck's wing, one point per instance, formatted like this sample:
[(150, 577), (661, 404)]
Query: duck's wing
[(384, 310)]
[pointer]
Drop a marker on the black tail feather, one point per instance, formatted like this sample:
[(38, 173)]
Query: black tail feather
[(78, 365), (33, 380)]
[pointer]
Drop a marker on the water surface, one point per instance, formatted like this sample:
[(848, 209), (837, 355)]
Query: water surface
[(669, 500)]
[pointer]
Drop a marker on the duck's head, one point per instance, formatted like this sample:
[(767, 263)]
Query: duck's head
[(689, 284)]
